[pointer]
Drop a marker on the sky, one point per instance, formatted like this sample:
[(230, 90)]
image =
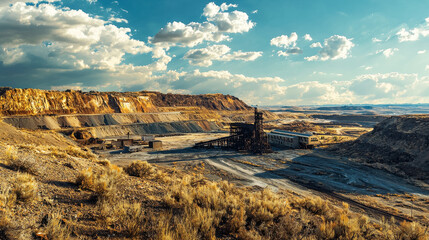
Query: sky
[(289, 52)]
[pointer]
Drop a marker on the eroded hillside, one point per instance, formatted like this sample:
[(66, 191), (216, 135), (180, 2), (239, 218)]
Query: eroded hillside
[(399, 144), (41, 102)]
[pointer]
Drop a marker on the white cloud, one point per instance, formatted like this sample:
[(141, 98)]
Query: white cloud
[(293, 51), (382, 88), (219, 23), (427, 68), (327, 74), (63, 37), (225, 7), (421, 52), (388, 52), (92, 1), (312, 58), (376, 40), (118, 20), (284, 41), (334, 47), (316, 45), (308, 37), (255, 11), (8, 2), (414, 34), (204, 57)]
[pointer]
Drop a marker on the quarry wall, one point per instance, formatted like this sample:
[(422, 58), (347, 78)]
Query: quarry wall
[(14, 101)]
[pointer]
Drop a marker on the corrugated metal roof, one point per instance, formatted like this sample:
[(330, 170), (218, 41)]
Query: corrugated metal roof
[(283, 132)]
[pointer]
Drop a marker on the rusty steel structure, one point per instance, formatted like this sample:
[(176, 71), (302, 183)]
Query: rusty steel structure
[(243, 137)]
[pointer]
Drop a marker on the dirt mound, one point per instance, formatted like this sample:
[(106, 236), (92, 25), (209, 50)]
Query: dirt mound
[(399, 144), (40, 102)]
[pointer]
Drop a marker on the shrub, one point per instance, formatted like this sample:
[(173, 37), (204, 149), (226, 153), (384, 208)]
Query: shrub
[(56, 229), (103, 185), (25, 164), (11, 153), (124, 216), (7, 197), (140, 169), (26, 188), (85, 179), (411, 231), (80, 153)]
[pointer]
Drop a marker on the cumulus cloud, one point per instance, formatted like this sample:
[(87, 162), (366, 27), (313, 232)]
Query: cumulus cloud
[(334, 47), (316, 45), (285, 41), (219, 24), (204, 57), (118, 20), (427, 68), (63, 37), (388, 52), (421, 52), (406, 35), (382, 87), (4, 3), (312, 58), (295, 50), (308, 37)]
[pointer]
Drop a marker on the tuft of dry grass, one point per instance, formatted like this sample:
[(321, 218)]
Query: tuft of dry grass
[(26, 188), (103, 184), (57, 229), (11, 153), (7, 197), (123, 216), (85, 179), (24, 164), (140, 169)]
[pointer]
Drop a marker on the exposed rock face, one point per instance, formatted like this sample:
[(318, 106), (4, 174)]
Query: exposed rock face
[(41, 102), (399, 144)]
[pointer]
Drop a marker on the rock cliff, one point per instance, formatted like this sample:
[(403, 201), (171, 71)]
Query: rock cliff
[(399, 144), (43, 102)]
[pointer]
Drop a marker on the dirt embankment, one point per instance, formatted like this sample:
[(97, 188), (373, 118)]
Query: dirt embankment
[(42, 102), (399, 144)]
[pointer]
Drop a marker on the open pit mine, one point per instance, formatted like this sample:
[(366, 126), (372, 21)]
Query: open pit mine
[(148, 165)]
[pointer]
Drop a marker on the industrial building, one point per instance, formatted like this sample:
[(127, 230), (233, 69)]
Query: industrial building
[(281, 138), (243, 137)]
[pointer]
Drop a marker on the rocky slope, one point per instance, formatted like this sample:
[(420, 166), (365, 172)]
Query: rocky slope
[(42, 102), (399, 144)]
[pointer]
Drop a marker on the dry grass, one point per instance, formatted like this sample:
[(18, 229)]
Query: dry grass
[(26, 188), (140, 169), (85, 179), (209, 209), (7, 197), (56, 229), (26, 164), (103, 184), (124, 216)]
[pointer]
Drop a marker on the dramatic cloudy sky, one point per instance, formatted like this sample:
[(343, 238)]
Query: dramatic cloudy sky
[(286, 52)]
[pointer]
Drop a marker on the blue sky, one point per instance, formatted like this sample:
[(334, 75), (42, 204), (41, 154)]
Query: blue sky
[(264, 52)]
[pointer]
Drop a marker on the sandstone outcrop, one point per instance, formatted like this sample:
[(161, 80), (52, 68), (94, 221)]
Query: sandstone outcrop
[(14, 101)]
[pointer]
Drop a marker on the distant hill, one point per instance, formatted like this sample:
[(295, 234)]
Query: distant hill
[(41, 102), (399, 144), (342, 108)]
